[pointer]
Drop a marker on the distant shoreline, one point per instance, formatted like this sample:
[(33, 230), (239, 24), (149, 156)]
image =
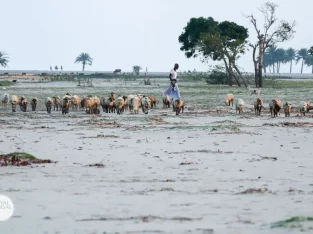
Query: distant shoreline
[(150, 74)]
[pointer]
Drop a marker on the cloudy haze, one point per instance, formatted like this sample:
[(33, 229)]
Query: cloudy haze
[(123, 33)]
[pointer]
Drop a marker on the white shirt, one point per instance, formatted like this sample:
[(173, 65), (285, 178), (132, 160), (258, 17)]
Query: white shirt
[(174, 74)]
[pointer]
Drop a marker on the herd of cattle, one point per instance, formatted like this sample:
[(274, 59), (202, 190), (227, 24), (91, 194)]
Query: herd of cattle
[(275, 105), (92, 104), (134, 102)]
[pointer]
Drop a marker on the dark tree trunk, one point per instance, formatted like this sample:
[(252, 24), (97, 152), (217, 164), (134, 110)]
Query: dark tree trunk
[(84, 66), (302, 66), (260, 67)]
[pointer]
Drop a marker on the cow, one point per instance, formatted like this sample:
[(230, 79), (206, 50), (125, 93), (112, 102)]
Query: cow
[(275, 106), (258, 105), (240, 105), (229, 99), (145, 104), (66, 103), (48, 104), (152, 101), (23, 104), (56, 103), (5, 99), (178, 106), (14, 102), (120, 104), (33, 103), (287, 109), (76, 102)]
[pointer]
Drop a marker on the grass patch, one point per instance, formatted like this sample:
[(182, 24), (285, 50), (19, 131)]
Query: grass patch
[(288, 83), (21, 155), (294, 222), (6, 83)]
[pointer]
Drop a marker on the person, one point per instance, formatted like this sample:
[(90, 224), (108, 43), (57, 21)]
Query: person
[(173, 91)]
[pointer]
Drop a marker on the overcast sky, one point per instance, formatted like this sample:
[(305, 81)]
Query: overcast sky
[(123, 33)]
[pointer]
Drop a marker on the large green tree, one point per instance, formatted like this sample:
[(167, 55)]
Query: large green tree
[(274, 31), (85, 59), (223, 41), (4, 59), (302, 54)]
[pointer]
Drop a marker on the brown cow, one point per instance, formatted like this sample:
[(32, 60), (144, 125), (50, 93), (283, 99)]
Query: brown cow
[(258, 104), (287, 109), (230, 99), (166, 101), (152, 101), (75, 102), (56, 103), (92, 105), (23, 103), (179, 106), (33, 103), (145, 104), (275, 106), (14, 102), (48, 104), (120, 104), (66, 103)]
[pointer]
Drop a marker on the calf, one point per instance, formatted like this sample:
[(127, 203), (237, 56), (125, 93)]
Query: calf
[(287, 109), (48, 104), (33, 103), (145, 104), (229, 99), (256, 92), (240, 105), (258, 104), (14, 101), (23, 104), (56, 103), (5, 99), (275, 106), (178, 106)]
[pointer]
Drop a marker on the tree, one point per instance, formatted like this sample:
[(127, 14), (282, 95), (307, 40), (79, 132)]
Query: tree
[(56, 67), (223, 41), (280, 57), (85, 59), (309, 61), (302, 54), (290, 56), (136, 69), (274, 32), (4, 59)]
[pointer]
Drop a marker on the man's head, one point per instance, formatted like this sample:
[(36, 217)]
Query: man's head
[(176, 66)]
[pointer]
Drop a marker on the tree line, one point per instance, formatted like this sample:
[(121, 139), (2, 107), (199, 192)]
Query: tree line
[(274, 57)]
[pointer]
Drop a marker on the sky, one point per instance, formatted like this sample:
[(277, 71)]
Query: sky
[(122, 33)]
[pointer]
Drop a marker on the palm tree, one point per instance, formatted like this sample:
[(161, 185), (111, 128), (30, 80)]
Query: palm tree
[(290, 55), (309, 61), (280, 57), (301, 55), (271, 55), (4, 59), (85, 59)]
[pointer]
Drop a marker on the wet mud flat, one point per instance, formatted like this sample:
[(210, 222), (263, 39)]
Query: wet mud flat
[(157, 173)]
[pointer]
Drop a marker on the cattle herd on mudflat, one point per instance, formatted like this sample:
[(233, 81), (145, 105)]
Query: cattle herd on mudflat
[(134, 102), (92, 104)]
